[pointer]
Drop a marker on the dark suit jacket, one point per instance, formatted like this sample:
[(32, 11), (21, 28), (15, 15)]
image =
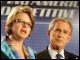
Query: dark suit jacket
[(45, 55)]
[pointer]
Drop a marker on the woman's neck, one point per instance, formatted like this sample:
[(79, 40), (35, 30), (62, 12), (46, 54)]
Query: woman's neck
[(17, 45), (15, 42)]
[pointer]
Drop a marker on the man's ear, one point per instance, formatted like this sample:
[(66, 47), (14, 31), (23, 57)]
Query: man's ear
[(48, 33), (69, 39)]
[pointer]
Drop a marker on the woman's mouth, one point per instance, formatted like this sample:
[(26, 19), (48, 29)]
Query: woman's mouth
[(23, 31)]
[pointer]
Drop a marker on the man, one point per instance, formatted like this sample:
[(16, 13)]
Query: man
[(59, 33)]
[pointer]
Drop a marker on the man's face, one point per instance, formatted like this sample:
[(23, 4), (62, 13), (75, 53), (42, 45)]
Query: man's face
[(60, 35)]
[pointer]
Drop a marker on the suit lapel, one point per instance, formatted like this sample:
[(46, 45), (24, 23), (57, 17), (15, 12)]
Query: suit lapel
[(47, 55), (66, 55)]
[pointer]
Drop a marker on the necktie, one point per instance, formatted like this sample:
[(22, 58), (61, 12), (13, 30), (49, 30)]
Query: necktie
[(58, 56)]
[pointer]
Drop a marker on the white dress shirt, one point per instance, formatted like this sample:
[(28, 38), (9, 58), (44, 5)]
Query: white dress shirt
[(53, 53)]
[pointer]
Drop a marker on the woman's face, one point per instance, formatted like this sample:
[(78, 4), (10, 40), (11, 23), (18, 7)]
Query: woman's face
[(22, 26)]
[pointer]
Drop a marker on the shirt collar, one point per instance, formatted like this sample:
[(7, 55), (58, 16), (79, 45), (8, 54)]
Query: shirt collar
[(53, 53)]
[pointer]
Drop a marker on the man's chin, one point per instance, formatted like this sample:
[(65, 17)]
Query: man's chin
[(58, 46)]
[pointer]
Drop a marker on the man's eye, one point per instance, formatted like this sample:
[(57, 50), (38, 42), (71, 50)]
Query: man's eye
[(65, 32), (57, 30)]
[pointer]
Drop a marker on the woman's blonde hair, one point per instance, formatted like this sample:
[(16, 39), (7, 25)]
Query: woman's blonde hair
[(14, 12)]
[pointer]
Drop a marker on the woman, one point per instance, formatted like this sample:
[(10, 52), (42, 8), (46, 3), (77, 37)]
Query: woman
[(19, 24)]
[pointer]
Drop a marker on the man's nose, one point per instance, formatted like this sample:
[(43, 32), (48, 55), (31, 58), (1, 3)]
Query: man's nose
[(60, 35)]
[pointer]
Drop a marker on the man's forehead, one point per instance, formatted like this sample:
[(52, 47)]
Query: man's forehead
[(62, 23)]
